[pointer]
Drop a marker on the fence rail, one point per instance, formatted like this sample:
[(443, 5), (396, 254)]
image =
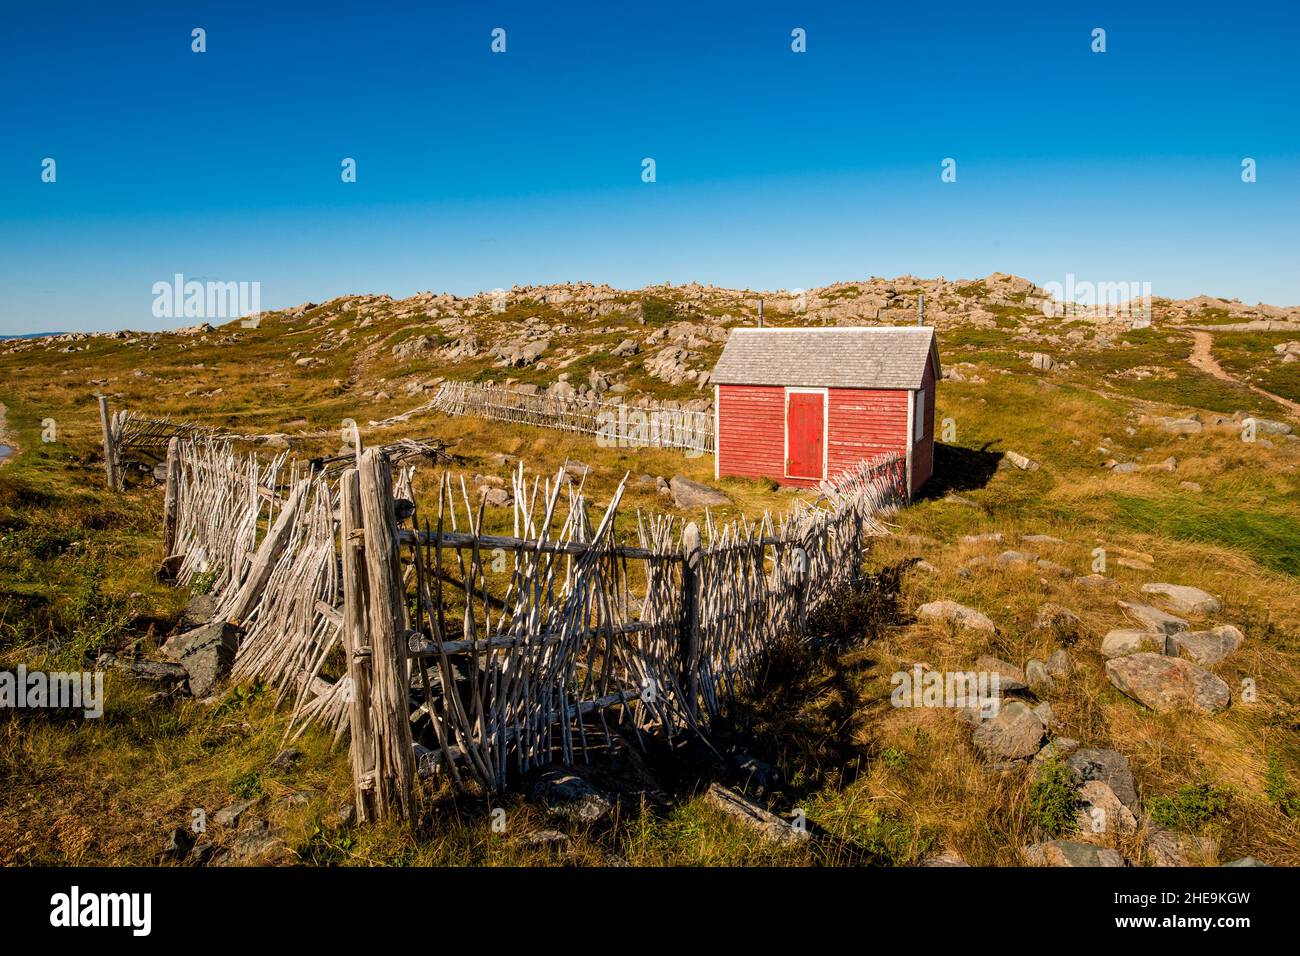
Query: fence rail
[(444, 649), (618, 424)]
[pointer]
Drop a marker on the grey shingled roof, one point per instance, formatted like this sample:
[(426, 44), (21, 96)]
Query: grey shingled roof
[(840, 357)]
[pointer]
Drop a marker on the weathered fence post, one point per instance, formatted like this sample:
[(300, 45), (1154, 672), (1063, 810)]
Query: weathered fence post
[(690, 623), (171, 497), (110, 447), (390, 691), (356, 643)]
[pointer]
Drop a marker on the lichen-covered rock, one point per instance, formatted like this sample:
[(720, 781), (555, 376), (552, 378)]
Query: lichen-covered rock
[(1166, 683), (1185, 599), (958, 613), (1208, 647)]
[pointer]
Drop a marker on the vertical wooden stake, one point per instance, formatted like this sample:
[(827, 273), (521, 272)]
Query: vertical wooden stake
[(690, 624), (170, 497), (390, 690), (356, 642), (110, 450)]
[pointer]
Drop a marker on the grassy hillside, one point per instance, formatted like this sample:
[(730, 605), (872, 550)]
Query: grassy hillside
[(878, 784)]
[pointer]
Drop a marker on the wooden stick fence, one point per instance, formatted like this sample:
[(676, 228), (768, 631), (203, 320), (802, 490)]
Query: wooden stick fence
[(615, 424), (445, 649)]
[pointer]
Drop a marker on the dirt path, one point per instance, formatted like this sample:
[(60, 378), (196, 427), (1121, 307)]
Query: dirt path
[(1202, 357)]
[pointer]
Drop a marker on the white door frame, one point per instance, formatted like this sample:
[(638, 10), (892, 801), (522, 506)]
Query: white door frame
[(717, 431), (825, 393)]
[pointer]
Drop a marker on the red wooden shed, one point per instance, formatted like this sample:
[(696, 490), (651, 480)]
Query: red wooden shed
[(800, 405)]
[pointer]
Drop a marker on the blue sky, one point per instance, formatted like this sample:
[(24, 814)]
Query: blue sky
[(774, 169)]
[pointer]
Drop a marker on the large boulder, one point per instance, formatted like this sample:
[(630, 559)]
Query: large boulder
[(1208, 647), (1015, 733), (207, 653), (692, 494), (1166, 683), (957, 613), (1185, 599)]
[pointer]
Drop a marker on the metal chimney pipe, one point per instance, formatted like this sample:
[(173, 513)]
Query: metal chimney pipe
[(920, 309), (760, 313)]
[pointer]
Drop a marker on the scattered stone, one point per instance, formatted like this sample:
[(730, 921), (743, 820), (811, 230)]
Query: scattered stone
[(1184, 599), (1016, 557), (1110, 767), (1208, 647), (178, 844), (1154, 619), (1166, 683), (1190, 485), (1070, 853), (992, 536), (1246, 861), (692, 494), (1021, 462), (298, 798), (768, 825), (1016, 732), (1043, 711), (1124, 641), (958, 613), (1058, 748), (1042, 362), (1102, 813), (206, 653), (229, 816), (1054, 568), (552, 840), (1180, 426), (1059, 664), (1040, 539), (201, 610), (497, 497), (1038, 678), (1010, 677), (258, 843), (1094, 581), (568, 795), (1056, 619), (155, 673), (203, 852), (1181, 849), (626, 348), (946, 858), (286, 759)]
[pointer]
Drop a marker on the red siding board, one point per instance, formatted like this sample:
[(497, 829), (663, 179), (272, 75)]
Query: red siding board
[(861, 422)]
